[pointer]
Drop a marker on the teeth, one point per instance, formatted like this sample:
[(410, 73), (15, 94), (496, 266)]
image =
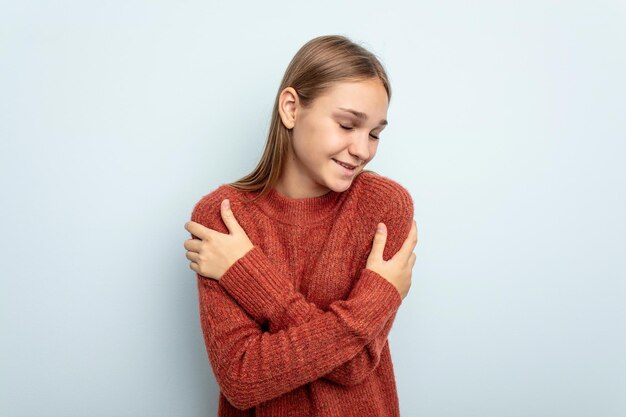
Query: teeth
[(344, 165)]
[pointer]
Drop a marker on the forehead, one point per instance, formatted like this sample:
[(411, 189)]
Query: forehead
[(369, 97)]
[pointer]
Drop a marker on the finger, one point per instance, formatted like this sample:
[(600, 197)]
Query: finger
[(192, 256), (198, 230), (380, 238), (410, 241), (193, 245), (229, 218), (416, 235)]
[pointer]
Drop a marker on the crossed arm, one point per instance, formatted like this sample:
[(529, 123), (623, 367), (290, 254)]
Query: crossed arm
[(342, 344)]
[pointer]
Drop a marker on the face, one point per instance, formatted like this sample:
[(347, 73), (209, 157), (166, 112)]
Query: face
[(327, 133)]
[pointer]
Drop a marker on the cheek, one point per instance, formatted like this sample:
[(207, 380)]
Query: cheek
[(308, 151), (324, 144), (335, 141), (373, 148)]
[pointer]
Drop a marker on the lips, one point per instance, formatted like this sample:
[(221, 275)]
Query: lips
[(349, 166)]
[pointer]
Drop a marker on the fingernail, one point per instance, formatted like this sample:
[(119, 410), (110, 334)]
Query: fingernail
[(226, 204), (381, 227)]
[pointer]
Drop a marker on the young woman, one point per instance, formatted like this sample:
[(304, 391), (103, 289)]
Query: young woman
[(298, 288)]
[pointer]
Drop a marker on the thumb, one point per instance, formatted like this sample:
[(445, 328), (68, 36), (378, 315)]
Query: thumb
[(380, 238), (229, 218)]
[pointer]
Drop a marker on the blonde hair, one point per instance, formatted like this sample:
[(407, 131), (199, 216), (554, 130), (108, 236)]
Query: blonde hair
[(316, 67)]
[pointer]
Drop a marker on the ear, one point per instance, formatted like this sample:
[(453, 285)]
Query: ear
[(288, 102)]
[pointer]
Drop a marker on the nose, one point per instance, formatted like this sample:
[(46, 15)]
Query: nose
[(359, 148)]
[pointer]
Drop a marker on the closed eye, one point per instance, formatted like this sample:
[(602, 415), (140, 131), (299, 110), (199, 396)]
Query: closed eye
[(351, 128)]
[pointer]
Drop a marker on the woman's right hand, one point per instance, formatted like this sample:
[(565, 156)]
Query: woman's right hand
[(398, 269)]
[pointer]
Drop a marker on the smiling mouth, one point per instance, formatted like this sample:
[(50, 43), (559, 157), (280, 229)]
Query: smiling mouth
[(343, 164)]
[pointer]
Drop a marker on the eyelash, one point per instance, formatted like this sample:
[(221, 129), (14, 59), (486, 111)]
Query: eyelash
[(350, 128)]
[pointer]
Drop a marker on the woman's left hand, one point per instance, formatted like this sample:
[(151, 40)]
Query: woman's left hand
[(215, 252)]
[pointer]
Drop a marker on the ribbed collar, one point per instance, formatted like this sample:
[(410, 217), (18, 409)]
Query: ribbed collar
[(299, 211)]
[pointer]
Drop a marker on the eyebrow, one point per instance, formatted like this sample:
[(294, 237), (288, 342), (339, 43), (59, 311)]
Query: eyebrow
[(362, 115)]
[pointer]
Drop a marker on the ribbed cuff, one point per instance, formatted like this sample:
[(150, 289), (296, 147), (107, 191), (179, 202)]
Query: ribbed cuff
[(256, 285), (372, 301), (372, 281)]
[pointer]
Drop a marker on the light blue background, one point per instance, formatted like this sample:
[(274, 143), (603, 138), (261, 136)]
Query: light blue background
[(507, 125)]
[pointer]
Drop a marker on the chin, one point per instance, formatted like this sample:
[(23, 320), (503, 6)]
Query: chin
[(340, 186)]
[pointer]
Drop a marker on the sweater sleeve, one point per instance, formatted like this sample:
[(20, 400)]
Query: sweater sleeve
[(253, 366), (266, 295), (253, 282)]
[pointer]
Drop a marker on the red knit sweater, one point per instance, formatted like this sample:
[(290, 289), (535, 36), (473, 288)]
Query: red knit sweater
[(298, 326)]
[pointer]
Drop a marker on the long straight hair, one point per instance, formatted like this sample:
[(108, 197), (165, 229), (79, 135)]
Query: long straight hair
[(317, 66)]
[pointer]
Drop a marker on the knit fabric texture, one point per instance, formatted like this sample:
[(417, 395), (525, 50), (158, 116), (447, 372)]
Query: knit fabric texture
[(298, 326)]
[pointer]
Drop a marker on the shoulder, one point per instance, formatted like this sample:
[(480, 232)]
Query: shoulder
[(382, 199), (381, 194), (208, 206)]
